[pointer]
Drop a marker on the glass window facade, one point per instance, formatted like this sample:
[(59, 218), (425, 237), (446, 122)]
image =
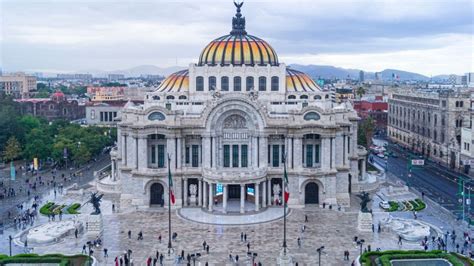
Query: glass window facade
[(212, 83), (249, 83), (235, 155), (226, 155), (161, 155), (195, 155), (244, 155), (262, 83), (276, 156), (275, 83)]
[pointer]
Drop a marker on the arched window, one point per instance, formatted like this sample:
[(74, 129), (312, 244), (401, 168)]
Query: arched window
[(182, 97), (249, 84), (156, 116), (237, 83), (262, 83), (327, 96), (170, 97), (212, 83), (291, 97), (199, 83), (311, 116), (304, 97), (225, 84), (317, 97), (275, 83), (156, 97)]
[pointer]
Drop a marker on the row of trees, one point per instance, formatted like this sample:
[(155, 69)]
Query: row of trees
[(28, 137)]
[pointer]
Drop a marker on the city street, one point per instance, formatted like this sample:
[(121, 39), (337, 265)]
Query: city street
[(437, 182)]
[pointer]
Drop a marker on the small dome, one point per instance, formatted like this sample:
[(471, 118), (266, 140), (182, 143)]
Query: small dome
[(238, 49), (178, 81), (299, 81), (58, 96)]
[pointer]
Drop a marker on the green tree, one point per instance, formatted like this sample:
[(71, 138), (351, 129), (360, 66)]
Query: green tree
[(81, 154), (365, 132), (12, 149), (9, 125), (360, 91), (41, 94), (38, 144)]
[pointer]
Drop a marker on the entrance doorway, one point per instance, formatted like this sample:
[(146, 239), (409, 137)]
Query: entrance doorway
[(311, 193), (156, 194), (234, 191)]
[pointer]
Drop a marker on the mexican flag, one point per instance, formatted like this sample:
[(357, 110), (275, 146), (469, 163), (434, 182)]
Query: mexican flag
[(287, 190), (170, 184)]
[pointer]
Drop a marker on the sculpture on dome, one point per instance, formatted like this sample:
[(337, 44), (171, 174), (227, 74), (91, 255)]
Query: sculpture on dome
[(238, 22)]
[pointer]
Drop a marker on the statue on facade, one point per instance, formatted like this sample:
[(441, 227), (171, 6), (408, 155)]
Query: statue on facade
[(235, 122), (216, 94), (276, 193), (193, 190), (95, 200), (253, 95), (365, 199)]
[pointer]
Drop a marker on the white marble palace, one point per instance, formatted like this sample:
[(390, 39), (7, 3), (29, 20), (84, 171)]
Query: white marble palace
[(227, 123)]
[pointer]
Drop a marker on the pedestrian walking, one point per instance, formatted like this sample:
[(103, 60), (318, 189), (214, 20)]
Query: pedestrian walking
[(248, 247), (148, 261), (399, 240), (305, 218), (204, 245), (299, 242), (159, 239), (241, 236), (76, 232), (129, 234), (106, 255), (245, 237), (373, 228), (207, 249), (84, 249)]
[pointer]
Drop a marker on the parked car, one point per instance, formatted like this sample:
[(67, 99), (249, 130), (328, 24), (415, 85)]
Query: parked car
[(384, 205)]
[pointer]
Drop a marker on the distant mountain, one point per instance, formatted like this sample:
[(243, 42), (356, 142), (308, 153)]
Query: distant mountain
[(147, 70), (331, 72)]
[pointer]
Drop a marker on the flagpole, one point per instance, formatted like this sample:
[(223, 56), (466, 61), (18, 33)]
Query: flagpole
[(169, 206), (284, 205)]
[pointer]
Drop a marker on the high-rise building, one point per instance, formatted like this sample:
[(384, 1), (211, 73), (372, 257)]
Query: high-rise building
[(361, 76), (115, 77), (19, 85), (470, 79)]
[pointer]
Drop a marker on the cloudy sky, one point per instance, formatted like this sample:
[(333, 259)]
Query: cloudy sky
[(425, 36)]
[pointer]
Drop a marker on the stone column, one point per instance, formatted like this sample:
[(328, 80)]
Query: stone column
[(363, 170), (253, 149), (204, 196), (297, 153), (124, 150), (289, 154), (131, 152), (224, 199), (242, 198), (211, 196), (185, 192), (214, 152), (269, 192), (263, 152), (200, 192), (257, 196), (170, 149), (333, 152), (325, 153), (113, 169), (339, 150), (142, 153), (264, 194), (206, 150), (179, 152)]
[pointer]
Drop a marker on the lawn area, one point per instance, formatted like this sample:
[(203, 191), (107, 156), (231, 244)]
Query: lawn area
[(410, 205), (51, 207), (384, 257), (62, 260)]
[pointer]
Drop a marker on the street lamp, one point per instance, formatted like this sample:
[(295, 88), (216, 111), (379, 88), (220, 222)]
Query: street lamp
[(319, 250), (360, 243), (10, 238)]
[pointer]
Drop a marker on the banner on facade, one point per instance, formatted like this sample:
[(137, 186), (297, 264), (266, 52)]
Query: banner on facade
[(418, 162), (12, 171), (35, 164)]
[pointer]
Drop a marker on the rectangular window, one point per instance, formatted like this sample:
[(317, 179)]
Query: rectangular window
[(212, 83), (237, 83), (309, 155), (276, 155), (101, 116), (224, 83), (195, 151), (226, 156), (244, 152), (262, 83), (199, 83), (161, 156), (249, 85), (235, 155), (275, 84), (153, 154), (186, 155), (316, 153)]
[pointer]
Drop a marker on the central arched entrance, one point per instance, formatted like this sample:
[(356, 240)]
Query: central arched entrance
[(156, 194), (311, 193)]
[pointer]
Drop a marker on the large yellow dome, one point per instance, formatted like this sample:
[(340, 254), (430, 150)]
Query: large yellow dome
[(238, 48)]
